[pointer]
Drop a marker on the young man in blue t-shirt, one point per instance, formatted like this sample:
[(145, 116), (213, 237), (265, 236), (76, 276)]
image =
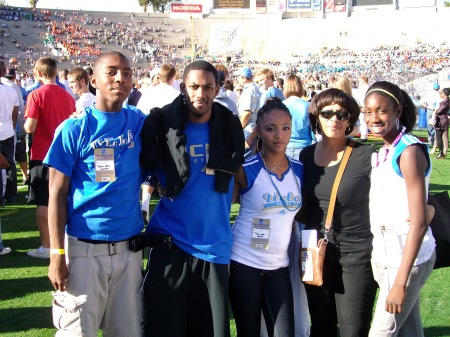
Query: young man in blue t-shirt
[(94, 198)]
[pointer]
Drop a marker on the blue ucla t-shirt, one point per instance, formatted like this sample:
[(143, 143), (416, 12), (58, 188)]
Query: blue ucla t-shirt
[(198, 218), (107, 211)]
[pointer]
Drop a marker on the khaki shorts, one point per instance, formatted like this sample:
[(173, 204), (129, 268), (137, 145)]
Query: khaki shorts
[(112, 284)]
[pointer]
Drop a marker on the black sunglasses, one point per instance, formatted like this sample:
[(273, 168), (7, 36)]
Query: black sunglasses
[(340, 115)]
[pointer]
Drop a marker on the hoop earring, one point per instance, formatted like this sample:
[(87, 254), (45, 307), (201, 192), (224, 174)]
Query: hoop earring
[(348, 130), (259, 145)]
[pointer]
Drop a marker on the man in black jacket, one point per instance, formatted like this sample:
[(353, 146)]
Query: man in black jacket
[(195, 146)]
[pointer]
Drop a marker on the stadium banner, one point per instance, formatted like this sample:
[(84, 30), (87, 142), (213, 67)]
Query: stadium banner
[(225, 39), (240, 4), (297, 4), (186, 8), (332, 7), (276, 6), (261, 6)]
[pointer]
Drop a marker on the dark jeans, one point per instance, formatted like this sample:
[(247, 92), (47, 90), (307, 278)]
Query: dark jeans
[(440, 140), (346, 297), (252, 290), (7, 150)]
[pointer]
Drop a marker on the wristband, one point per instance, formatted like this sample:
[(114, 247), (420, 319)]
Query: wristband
[(57, 251)]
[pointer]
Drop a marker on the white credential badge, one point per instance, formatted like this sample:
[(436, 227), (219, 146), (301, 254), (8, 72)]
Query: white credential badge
[(104, 165), (260, 233)]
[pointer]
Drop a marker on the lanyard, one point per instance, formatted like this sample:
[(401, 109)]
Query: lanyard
[(384, 151)]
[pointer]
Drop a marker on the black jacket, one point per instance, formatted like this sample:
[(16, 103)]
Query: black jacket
[(164, 143)]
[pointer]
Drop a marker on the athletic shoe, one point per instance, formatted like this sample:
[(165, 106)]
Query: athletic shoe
[(41, 253), (5, 250)]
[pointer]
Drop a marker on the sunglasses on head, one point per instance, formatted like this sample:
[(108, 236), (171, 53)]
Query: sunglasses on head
[(340, 115)]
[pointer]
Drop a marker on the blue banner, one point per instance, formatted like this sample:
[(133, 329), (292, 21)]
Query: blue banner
[(296, 4)]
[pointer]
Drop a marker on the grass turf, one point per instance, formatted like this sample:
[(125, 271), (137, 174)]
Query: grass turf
[(25, 292)]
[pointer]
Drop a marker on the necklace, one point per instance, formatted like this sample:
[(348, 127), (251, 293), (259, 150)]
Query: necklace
[(285, 204), (271, 168)]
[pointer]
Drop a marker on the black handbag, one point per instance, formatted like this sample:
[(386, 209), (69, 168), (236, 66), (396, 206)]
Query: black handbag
[(440, 226)]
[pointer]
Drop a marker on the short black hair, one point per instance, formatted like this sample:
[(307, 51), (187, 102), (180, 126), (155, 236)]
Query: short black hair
[(221, 77), (329, 97), (100, 59), (201, 65)]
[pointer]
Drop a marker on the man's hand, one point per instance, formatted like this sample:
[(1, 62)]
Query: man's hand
[(75, 114), (58, 272), (161, 190)]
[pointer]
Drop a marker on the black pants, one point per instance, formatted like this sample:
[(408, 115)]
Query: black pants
[(346, 297), (185, 296), (7, 150), (440, 140), (253, 290)]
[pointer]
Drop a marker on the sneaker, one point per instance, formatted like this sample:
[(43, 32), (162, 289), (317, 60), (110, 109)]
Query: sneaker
[(41, 253), (5, 250)]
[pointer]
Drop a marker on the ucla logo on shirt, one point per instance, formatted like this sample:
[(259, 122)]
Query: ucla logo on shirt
[(274, 200), (199, 153), (119, 141)]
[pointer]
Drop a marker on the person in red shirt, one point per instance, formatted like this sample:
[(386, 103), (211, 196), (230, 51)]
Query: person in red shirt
[(47, 107)]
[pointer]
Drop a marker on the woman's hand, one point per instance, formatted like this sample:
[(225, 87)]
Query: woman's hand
[(395, 300)]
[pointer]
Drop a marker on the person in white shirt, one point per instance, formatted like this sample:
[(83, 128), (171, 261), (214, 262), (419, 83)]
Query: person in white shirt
[(161, 94), (222, 96), (9, 110), (359, 94), (79, 83), (20, 148)]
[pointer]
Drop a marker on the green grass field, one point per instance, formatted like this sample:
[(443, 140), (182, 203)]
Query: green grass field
[(25, 292)]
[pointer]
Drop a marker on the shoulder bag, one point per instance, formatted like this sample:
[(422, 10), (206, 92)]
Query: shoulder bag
[(317, 254), (440, 227)]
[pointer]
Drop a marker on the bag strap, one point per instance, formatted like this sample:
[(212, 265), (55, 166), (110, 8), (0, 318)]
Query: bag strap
[(337, 180)]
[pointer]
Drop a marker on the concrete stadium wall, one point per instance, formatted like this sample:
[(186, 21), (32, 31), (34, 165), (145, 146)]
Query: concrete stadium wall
[(269, 37)]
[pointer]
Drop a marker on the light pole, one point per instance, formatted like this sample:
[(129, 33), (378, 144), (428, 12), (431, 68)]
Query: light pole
[(185, 28)]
